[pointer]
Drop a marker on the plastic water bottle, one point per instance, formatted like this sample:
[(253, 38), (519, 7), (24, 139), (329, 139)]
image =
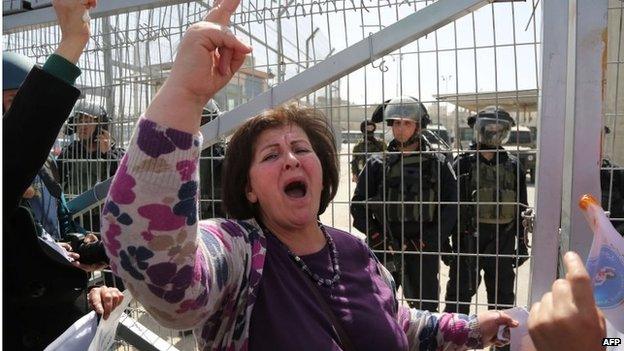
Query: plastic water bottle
[(605, 263)]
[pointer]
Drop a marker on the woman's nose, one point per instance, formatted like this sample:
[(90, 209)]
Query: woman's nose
[(291, 161)]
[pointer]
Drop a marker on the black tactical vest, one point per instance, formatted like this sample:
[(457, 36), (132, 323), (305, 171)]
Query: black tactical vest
[(484, 189), (411, 188)]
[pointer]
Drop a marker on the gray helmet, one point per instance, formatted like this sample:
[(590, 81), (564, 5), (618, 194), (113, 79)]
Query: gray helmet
[(492, 126), (90, 109), (378, 113), (406, 107), (15, 68)]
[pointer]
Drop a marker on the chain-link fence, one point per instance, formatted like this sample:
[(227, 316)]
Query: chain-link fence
[(611, 171), (446, 215)]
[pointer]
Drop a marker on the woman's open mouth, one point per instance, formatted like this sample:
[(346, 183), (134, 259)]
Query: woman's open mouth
[(296, 189)]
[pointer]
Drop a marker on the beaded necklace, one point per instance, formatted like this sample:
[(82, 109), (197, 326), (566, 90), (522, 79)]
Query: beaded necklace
[(333, 255)]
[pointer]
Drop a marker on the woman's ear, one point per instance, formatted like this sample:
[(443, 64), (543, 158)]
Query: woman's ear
[(251, 196)]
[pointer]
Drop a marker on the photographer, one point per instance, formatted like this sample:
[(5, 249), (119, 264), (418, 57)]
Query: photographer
[(44, 293), (91, 158)]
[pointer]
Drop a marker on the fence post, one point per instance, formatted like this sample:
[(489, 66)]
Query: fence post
[(551, 147), (584, 110)]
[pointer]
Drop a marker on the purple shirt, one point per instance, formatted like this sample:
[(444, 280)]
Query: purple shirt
[(287, 317)]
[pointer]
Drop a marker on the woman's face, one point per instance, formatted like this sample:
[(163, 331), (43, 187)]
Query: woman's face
[(285, 177)]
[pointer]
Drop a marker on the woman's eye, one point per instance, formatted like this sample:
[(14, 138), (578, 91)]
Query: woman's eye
[(269, 157), (302, 151)]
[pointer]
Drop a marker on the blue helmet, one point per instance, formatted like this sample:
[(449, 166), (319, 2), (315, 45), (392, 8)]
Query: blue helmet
[(15, 68)]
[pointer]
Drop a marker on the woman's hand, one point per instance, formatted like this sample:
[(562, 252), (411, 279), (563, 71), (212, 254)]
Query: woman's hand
[(73, 257), (90, 238), (104, 142), (103, 300), (489, 322), (29, 193), (567, 317), (207, 58), (75, 31)]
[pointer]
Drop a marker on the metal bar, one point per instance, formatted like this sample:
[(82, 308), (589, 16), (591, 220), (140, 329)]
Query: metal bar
[(108, 66), (139, 336), (344, 62), (13, 6), (551, 146), (586, 71), (86, 200), (46, 15)]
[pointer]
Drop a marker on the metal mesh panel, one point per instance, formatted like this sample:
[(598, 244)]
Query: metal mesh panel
[(489, 57), (612, 171)]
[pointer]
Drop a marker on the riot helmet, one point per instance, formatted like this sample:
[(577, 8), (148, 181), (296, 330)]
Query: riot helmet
[(368, 128), (15, 68), (378, 114), (492, 126), (406, 107)]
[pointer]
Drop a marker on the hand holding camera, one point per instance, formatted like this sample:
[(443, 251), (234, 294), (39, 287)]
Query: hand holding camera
[(88, 251), (103, 140)]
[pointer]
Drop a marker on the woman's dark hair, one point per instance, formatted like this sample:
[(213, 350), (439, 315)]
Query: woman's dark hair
[(240, 152)]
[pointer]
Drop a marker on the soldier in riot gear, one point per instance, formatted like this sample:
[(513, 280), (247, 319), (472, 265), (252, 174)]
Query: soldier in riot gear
[(487, 176), (364, 148), (404, 189), (92, 157)]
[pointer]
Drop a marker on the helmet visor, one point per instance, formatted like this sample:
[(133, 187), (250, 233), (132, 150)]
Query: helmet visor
[(405, 108), (490, 131)]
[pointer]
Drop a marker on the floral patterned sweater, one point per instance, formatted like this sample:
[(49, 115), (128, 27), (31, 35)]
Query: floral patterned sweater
[(204, 275)]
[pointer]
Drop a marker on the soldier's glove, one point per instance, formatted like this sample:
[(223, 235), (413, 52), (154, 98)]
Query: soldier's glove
[(522, 252), (413, 245), (376, 241), (527, 220)]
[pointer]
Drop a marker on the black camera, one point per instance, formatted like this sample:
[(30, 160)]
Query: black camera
[(90, 253)]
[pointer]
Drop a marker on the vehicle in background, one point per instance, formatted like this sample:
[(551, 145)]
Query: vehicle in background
[(354, 136), (522, 145), (435, 141), (441, 132), (466, 135)]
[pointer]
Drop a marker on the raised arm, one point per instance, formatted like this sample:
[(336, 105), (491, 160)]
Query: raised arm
[(179, 269), (49, 89), (207, 58)]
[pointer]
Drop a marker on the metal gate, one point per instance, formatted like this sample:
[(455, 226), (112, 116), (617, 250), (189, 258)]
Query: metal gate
[(546, 63)]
